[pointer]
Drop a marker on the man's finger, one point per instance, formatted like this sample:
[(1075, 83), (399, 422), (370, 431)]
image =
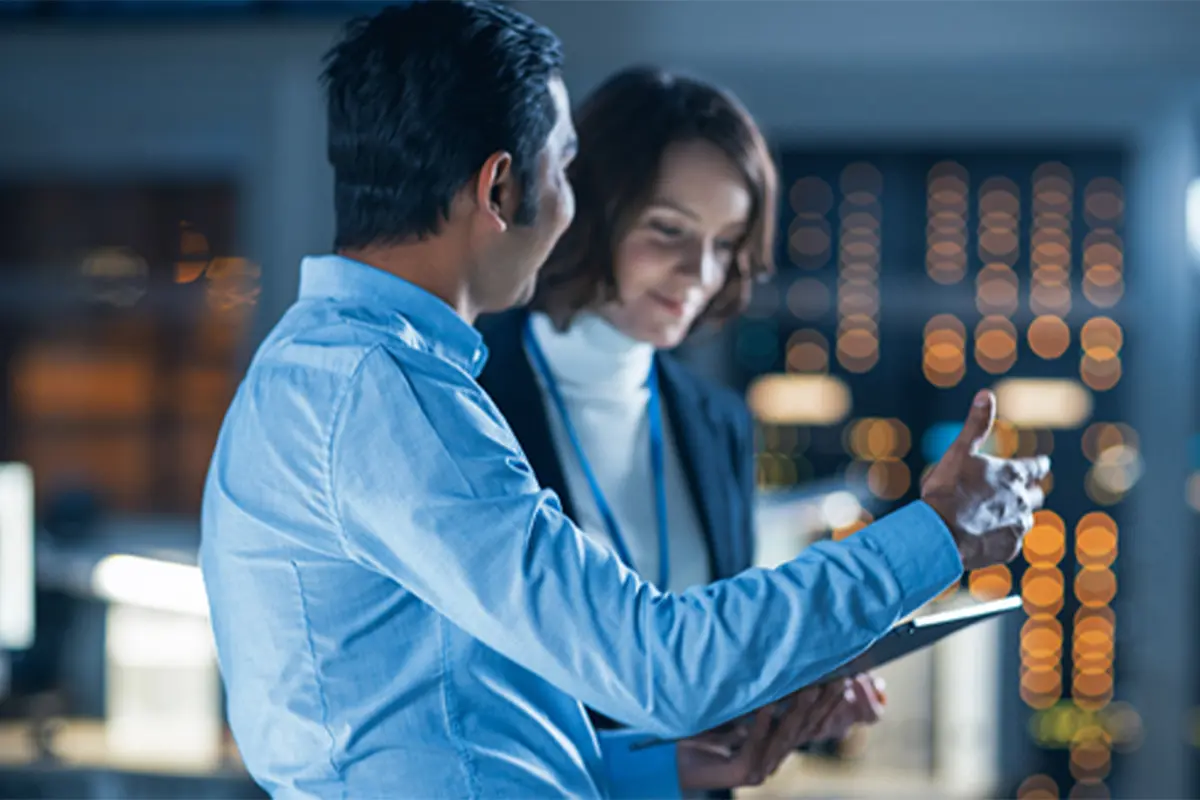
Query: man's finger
[(839, 723), (788, 727), (1031, 470), (836, 706), (977, 427), (802, 725), (866, 708), (871, 706), (880, 687), (753, 752), (729, 737), (1035, 497), (1002, 545), (705, 746)]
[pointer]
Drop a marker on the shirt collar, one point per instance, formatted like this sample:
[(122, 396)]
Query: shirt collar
[(440, 328)]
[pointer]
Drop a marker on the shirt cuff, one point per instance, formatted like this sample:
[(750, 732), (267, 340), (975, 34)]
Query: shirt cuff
[(918, 547), (650, 773)]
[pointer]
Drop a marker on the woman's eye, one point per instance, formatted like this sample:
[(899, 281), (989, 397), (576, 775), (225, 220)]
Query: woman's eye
[(670, 231)]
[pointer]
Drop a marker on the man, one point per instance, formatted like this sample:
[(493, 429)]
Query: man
[(400, 610)]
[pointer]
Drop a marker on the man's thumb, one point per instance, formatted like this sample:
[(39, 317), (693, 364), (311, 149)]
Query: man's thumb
[(978, 424)]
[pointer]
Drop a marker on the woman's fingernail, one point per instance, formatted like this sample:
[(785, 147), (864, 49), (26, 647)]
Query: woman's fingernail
[(848, 695), (880, 684)]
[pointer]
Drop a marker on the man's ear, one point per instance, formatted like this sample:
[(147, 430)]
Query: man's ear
[(496, 191)]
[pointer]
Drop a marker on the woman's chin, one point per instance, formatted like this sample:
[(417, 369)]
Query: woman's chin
[(666, 337), (662, 333)]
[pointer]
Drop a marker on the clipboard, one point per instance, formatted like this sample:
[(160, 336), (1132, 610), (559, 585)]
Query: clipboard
[(904, 638)]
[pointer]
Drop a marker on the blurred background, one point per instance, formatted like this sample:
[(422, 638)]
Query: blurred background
[(977, 193)]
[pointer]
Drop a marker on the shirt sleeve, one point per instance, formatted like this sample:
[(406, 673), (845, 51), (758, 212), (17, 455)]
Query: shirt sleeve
[(431, 488), (647, 774)]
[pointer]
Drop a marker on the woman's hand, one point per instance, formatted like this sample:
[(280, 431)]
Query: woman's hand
[(747, 752)]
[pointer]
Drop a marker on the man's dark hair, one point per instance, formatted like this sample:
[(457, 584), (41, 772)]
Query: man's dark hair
[(419, 96), (625, 128)]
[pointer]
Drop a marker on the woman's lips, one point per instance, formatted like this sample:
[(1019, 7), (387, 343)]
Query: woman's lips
[(674, 307)]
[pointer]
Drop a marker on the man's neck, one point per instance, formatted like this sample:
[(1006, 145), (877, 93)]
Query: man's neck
[(430, 264)]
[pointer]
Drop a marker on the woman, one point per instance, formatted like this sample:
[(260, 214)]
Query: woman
[(675, 215)]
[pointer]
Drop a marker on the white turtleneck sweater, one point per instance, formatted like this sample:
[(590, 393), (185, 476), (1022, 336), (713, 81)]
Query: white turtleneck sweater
[(601, 375)]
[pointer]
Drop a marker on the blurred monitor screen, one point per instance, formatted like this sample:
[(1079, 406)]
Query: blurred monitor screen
[(16, 557)]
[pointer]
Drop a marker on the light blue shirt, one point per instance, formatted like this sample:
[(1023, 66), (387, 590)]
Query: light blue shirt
[(401, 611)]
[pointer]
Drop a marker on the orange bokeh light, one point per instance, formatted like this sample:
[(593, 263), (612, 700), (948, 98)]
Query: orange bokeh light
[(990, 583), (1095, 586), (1038, 787), (1101, 338), (1044, 545), (1042, 588), (1049, 337), (1100, 375)]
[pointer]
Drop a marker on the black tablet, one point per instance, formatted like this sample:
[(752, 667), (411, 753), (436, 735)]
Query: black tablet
[(906, 637), (920, 632)]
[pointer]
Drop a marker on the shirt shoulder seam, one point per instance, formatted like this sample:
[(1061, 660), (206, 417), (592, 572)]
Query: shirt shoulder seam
[(338, 407)]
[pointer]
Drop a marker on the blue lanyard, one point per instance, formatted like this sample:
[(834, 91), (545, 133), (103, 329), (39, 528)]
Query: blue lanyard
[(656, 460)]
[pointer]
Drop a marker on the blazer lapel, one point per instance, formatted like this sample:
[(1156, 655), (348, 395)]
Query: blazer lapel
[(704, 452)]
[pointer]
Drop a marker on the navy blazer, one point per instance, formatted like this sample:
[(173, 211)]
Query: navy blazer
[(712, 430)]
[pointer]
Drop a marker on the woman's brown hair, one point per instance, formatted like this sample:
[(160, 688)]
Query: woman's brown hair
[(625, 127)]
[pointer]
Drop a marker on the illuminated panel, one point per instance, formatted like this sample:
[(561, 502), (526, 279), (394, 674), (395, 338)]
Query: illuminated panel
[(1043, 403), (859, 245), (17, 571), (799, 399)]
